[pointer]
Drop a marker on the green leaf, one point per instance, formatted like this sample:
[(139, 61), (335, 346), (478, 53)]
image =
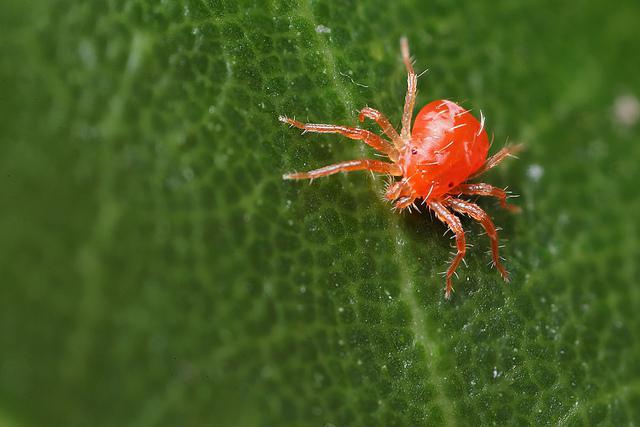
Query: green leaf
[(156, 269)]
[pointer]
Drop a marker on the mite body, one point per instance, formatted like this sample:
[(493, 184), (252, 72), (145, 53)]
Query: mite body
[(433, 162)]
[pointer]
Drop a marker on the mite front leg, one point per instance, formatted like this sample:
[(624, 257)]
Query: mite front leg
[(398, 189), (497, 158), (410, 98), (475, 212), (404, 202), (350, 165), (402, 194), (354, 133), (384, 124), (453, 222), (482, 189)]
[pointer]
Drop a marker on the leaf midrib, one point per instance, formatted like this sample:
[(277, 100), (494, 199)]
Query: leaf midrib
[(418, 324)]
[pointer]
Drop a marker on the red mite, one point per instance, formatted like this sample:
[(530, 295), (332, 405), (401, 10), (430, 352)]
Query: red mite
[(447, 148)]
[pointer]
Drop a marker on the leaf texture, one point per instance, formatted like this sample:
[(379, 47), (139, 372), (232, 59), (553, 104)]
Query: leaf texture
[(156, 269)]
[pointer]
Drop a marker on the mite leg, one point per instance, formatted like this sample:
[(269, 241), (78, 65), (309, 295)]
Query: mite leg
[(404, 202), (453, 222), (412, 85), (402, 194), (393, 190), (350, 165), (475, 212), (497, 158), (354, 133), (384, 124), (397, 189), (482, 189)]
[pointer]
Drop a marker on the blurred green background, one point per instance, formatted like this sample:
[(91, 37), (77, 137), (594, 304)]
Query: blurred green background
[(156, 270)]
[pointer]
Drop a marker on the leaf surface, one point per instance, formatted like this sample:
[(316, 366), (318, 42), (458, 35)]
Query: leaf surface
[(158, 271)]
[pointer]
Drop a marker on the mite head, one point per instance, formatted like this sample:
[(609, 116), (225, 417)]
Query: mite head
[(393, 190), (400, 192)]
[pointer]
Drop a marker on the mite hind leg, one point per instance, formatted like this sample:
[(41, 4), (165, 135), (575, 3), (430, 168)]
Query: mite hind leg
[(453, 222), (497, 158), (475, 212), (482, 189)]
